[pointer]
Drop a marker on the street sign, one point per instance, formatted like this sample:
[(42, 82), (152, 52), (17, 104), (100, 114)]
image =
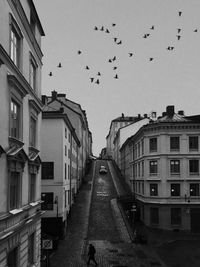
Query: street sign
[(47, 244)]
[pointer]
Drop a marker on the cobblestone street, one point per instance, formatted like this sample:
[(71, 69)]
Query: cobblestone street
[(94, 221)]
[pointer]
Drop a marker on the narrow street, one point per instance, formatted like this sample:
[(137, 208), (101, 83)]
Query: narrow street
[(93, 221)]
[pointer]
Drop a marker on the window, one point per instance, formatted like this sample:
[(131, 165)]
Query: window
[(31, 249), (153, 189), (33, 131), (142, 147), (32, 189), (15, 42), (47, 170), (174, 143), (153, 144), (175, 189), (65, 132), (12, 258), (193, 143), (142, 168), (32, 23), (33, 74), (154, 215), (15, 190), (65, 198), (65, 150), (153, 168), (15, 119), (194, 166), (175, 166), (194, 189), (68, 172), (175, 216), (65, 171), (48, 201)]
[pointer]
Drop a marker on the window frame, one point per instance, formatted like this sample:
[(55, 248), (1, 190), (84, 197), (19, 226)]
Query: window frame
[(153, 144), (47, 168), (191, 143), (173, 145), (15, 191), (33, 131), (33, 72), (151, 167), (196, 189), (193, 172), (176, 216), (32, 187), (49, 205), (153, 189), (154, 215), (177, 191), (174, 171)]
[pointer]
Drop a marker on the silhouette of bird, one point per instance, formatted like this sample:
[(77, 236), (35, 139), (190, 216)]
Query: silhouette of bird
[(115, 39), (170, 47), (102, 28), (178, 30), (110, 60), (130, 54), (99, 74), (180, 13), (91, 79), (120, 42), (113, 24), (114, 58), (116, 76), (50, 73), (145, 36), (59, 65), (107, 31), (114, 68), (79, 52), (195, 30), (97, 81), (151, 58), (95, 28), (152, 28), (87, 68), (178, 36)]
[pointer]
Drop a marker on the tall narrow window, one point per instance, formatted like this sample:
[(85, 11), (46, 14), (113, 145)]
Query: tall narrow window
[(175, 167), (47, 170), (153, 167), (14, 119), (48, 202), (12, 258), (33, 74), (175, 216), (194, 190), (32, 187), (14, 190), (154, 215), (153, 144), (153, 189), (193, 143), (31, 249), (15, 46), (174, 143), (194, 166), (33, 132), (175, 190)]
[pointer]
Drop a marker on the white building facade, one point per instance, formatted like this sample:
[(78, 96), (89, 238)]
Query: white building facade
[(20, 120)]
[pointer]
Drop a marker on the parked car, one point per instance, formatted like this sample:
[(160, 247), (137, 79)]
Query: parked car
[(103, 170)]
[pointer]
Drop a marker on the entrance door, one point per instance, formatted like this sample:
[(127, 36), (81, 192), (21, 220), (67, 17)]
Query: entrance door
[(195, 220)]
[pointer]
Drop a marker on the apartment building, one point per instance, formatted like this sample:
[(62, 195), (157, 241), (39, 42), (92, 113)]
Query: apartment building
[(78, 119), (20, 109), (164, 161), (59, 146), (114, 127)]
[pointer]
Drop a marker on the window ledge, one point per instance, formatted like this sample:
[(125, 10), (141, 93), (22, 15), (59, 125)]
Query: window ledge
[(15, 211)]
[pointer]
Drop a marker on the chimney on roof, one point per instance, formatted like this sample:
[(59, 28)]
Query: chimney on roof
[(181, 112), (44, 99), (122, 115), (170, 111), (145, 115), (54, 95), (139, 116)]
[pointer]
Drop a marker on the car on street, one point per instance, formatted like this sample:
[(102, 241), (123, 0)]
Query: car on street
[(103, 170)]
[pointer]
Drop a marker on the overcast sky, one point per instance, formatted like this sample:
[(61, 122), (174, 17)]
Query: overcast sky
[(171, 78)]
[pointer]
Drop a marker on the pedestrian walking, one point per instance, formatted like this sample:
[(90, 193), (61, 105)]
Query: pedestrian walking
[(91, 255)]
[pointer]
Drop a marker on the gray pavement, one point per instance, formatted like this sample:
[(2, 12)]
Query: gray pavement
[(95, 218)]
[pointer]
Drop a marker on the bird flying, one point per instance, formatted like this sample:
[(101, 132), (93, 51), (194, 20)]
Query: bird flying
[(107, 31), (152, 27), (114, 68), (99, 74), (87, 68), (116, 76), (113, 24), (97, 81), (180, 13), (178, 36), (79, 52), (151, 58), (91, 79), (130, 54), (178, 30), (120, 42), (102, 28), (50, 73), (95, 28), (59, 65)]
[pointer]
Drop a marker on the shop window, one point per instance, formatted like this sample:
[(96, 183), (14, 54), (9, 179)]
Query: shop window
[(154, 215), (175, 216)]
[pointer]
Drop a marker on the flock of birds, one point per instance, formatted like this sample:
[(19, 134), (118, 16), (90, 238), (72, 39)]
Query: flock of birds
[(118, 42)]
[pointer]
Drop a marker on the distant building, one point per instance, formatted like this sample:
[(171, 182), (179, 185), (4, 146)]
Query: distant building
[(114, 126), (60, 149), (20, 120), (165, 179)]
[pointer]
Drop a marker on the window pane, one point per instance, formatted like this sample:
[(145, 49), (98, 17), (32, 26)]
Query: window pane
[(153, 167), (12, 260), (47, 170), (174, 143), (153, 144), (193, 143), (194, 189), (14, 47), (32, 187), (14, 190), (153, 189), (174, 166), (194, 166), (32, 132), (31, 248), (14, 119), (175, 189)]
